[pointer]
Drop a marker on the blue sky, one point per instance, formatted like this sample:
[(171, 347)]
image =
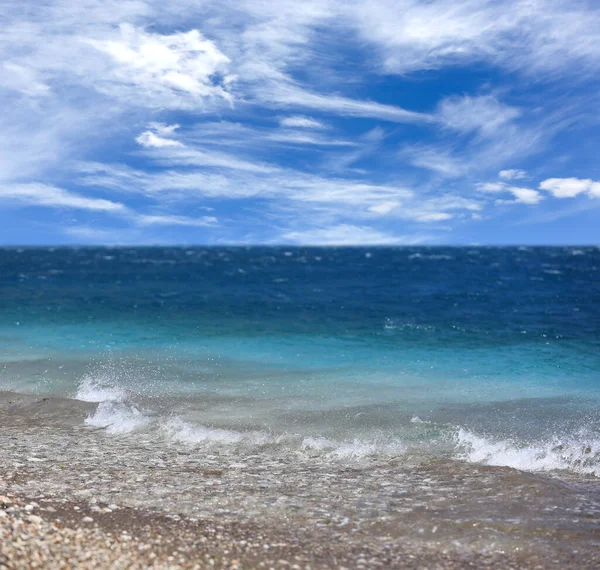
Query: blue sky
[(315, 122)]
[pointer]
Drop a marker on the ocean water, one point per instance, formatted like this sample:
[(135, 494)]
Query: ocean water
[(477, 355)]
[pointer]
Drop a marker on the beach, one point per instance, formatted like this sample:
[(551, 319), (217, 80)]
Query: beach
[(300, 285), (311, 408), (73, 496)]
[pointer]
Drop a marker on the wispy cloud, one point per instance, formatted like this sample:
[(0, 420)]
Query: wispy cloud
[(326, 118), (546, 37), (44, 195), (51, 196), (347, 234), (308, 196), (170, 220), (512, 174), (168, 152), (298, 121), (296, 138), (289, 95), (439, 160), (22, 79), (83, 234), (484, 114), (149, 139)]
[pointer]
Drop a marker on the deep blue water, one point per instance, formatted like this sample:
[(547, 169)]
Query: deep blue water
[(498, 345)]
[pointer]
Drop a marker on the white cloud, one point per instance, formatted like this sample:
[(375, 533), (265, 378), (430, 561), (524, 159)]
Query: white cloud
[(170, 220), (172, 70), (299, 121), (243, 137), (88, 234), (384, 208), (162, 129), (534, 38), (286, 94), (22, 79), (180, 155), (525, 195), (294, 137), (169, 152), (434, 217), (51, 196), (438, 160), (304, 194), (557, 187), (479, 134), (484, 114), (522, 195), (75, 79), (348, 234), (512, 174), (150, 140), (491, 187), (571, 187)]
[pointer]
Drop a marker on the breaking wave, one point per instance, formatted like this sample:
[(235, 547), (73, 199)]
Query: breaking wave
[(578, 453), (123, 410)]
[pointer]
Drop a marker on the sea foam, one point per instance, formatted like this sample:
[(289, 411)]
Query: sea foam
[(119, 411), (187, 432), (578, 452), (356, 448), (115, 412)]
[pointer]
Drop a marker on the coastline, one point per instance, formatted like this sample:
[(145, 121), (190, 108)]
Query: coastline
[(54, 533), (245, 506)]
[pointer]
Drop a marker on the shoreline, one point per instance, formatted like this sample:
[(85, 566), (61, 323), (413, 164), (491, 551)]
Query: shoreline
[(239, 506)]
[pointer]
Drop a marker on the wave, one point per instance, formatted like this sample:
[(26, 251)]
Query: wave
[(120, 411), (578, 452), (187, 432), (99, 389), (115, 412), (117, 417), (356, 448)]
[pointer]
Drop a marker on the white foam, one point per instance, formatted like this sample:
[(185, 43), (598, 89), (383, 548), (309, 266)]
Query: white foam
[(115, 412), (117, 417), (418, 420), (356, 448), (579, 453), (99, 389), (187, 432)]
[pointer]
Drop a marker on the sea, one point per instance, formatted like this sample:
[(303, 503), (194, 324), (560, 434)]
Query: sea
[(478, 355)]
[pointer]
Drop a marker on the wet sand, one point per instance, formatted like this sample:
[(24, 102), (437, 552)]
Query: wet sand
[(73, 496)]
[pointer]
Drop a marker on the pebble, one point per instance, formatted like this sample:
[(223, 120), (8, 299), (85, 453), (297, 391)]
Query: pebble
[(247, 520)]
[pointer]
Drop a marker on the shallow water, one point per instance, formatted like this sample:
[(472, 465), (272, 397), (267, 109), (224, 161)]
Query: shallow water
[(382, 497), (480, 355)]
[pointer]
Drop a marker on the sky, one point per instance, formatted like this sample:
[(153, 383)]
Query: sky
[(314, 122)]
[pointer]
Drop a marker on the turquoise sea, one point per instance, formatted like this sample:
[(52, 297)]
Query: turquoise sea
[(485, 355)]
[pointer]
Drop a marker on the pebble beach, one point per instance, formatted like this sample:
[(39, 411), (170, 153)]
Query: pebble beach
[(76, 497)]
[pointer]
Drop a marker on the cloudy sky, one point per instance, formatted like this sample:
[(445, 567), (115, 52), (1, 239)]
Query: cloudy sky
[(299, 122)]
